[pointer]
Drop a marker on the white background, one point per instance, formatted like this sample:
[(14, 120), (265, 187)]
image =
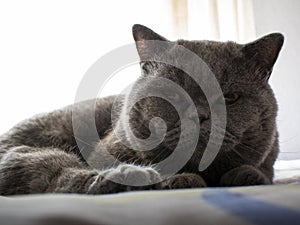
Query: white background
[(47, 46), (284, 16)]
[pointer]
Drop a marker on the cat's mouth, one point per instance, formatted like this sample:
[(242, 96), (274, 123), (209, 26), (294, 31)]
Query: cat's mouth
[(188, 138), (189, 134)]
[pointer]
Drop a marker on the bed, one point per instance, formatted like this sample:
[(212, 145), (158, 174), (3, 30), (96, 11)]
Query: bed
[(261, 205)]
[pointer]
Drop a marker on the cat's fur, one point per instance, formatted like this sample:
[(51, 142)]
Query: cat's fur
[(40, 155)]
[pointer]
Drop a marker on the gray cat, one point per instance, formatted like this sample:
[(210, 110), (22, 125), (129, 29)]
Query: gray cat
[(41, 155)]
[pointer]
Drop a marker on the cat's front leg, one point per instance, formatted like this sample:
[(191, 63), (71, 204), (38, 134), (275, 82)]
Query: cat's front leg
[(27, 170), (243, 176), (114, 180), (184, 180)]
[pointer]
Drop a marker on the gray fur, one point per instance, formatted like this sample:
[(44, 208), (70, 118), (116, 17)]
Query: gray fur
[(40, 155)]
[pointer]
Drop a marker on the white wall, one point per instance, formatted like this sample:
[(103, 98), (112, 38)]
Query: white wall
[(47, 46), (284, 16)]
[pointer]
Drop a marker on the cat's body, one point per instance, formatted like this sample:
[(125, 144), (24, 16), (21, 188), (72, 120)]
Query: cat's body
[(41, 154)]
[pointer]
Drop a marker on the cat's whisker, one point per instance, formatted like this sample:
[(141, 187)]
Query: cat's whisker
[(239, 154), (249, 148), (77, 138), (120, 157), (159, 155)]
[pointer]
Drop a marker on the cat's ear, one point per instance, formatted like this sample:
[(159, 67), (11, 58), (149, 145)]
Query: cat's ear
[(263, 53), (142, 34)]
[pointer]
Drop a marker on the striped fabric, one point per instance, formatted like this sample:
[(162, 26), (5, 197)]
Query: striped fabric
[(261, 205)]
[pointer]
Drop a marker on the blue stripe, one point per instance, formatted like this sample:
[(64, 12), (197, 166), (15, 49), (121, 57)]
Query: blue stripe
[(252, 210)]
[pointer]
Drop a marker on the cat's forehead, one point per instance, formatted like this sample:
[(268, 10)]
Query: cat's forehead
[(227, 62), (211, 50), (221, 57)]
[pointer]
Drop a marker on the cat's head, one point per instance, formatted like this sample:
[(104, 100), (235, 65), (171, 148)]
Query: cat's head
[(242, 71)]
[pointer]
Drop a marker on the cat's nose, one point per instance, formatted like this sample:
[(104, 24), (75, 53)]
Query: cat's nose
[(191, 114)]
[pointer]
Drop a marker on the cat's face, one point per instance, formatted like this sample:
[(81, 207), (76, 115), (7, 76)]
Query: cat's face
[(242, 72)]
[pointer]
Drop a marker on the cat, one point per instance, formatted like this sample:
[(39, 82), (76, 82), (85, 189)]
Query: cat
[(41, 155)]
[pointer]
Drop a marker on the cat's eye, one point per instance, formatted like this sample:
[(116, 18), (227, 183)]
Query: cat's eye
[(231, 98)]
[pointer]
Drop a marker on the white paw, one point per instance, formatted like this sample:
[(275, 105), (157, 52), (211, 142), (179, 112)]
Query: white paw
[(132, 175), (125, 177)]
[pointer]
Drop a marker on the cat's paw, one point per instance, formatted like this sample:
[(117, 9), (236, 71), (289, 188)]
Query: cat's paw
[(185, 180), (244, 176), (123, 178)]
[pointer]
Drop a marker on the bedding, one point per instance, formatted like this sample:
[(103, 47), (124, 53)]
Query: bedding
[(261, 205)]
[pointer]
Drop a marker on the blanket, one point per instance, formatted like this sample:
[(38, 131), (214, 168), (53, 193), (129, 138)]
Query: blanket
[(260, 205)]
